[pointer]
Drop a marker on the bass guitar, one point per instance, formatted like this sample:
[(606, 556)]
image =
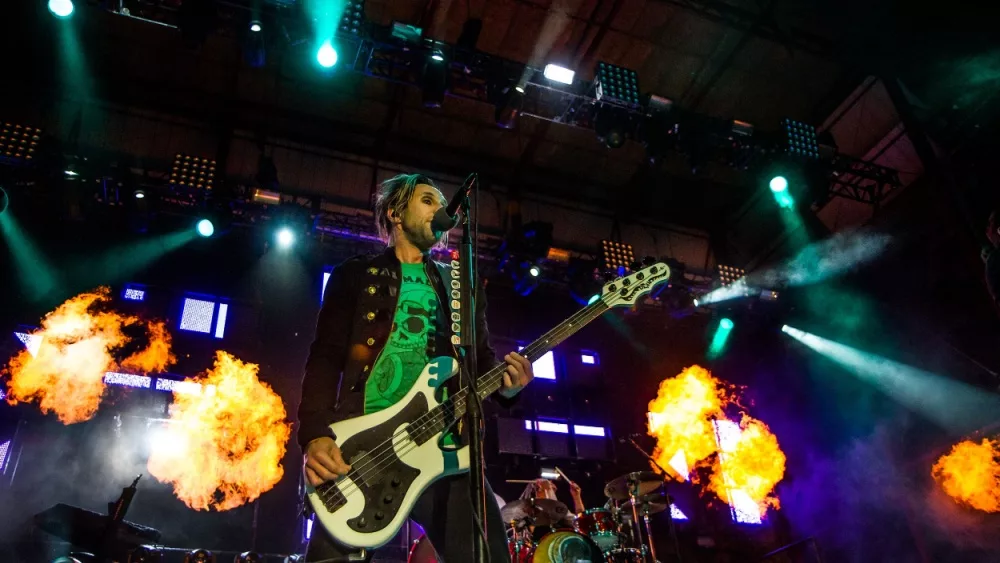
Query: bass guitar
[(395, 454)]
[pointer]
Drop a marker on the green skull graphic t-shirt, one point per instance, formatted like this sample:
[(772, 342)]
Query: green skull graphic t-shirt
[(405, 354)]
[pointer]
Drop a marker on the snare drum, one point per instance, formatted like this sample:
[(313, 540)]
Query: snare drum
[(599, 525)]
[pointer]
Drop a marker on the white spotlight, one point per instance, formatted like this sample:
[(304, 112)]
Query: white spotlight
[(285, 237), (559, 74)]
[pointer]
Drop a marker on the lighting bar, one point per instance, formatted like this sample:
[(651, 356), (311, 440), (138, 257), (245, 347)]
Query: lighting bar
[(183, 387), (220, 324), (557, 427), (134, 294), (549, 473), (557, 73), (196, 315), (4, 448), (266, 197), (31, 342), (192, 172), (676, 513), (19, 142), (742, 508), (581, 430), (588, 358), (128, 380)]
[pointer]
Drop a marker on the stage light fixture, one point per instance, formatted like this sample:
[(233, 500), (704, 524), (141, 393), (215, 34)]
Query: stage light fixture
[(199, 556), (534, 271), (408, 34), (255, 26), (434, 80), (730, 274), (437, 55), (558, 73), (616, 84), (145, 554), (800, 139), (612, 126), (326, 56), (285, 238), (778, 184), (139, 194), (192, 172), (61, 8), (509, 107), (248, 557), (19, 142), (353, 18), (205, 228), (616, 255), (726, 324)]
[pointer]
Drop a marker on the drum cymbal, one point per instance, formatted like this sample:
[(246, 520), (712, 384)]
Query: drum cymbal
[(646, 481), (545, 512), (645, 507)]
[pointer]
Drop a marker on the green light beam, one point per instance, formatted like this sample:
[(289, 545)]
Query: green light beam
[(954, 406), (36, 276), (718, 345), (122, 262)]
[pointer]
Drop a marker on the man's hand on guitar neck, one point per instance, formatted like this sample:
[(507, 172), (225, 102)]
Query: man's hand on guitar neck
[(519, 373), (323, 461)]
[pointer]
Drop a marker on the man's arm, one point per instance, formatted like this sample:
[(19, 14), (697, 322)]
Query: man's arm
[(486, 355), (321, 382)]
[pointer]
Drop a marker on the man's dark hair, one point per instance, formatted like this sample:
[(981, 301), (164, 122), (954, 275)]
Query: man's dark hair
[(394, 194)]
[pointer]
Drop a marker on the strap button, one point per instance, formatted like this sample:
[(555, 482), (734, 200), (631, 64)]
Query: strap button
[(371, 341)]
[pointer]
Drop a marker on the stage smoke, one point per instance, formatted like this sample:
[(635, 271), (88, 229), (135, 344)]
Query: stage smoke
[(823, 260)]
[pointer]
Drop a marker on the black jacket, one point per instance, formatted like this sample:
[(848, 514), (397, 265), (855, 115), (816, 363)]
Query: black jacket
[(354, 324)]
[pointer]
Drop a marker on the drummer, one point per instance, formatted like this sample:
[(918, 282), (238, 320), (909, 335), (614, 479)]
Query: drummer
[(543, 488)]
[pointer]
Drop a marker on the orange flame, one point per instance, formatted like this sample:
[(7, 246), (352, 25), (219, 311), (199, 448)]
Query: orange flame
[(223, 445), (970, 474), (751, 466), (76, 344), (681, 419)]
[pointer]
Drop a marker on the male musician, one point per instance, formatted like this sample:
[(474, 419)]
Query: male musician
[(383, 317), (543, 488)]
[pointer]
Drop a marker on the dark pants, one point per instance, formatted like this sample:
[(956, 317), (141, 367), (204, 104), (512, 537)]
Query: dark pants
[(445, 512)]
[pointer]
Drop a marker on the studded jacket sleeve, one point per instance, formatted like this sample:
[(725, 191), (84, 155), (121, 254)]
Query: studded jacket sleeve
[(321, 384)]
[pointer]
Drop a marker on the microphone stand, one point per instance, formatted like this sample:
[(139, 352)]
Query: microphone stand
[(469, 367), (670, 502)]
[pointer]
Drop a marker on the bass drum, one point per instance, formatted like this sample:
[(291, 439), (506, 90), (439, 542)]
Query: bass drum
[(423, 552), (566, 546)]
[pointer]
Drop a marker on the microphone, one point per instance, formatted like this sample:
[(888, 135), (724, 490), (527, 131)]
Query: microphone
[(446, 218)]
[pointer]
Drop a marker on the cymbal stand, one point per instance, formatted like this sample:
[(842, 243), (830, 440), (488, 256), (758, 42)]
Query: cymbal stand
[(670, 505), (633, 493)]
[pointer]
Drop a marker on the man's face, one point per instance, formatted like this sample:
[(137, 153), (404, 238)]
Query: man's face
[(416, 218)]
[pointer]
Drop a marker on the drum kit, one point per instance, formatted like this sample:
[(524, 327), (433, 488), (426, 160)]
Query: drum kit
[(618, 532)]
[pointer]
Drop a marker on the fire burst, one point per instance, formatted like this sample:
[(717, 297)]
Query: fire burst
[(65, 375), (680, 418), (970, 473), (687, 419), (223, 446)]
